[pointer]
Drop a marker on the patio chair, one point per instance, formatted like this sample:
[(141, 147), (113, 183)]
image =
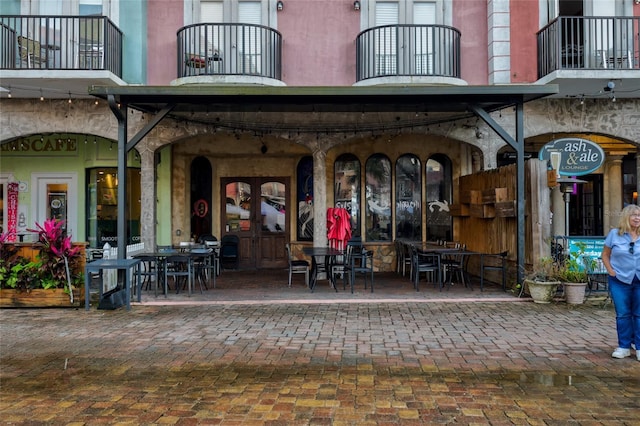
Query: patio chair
[(494, 262), (297, 266), (426, 262), (229, 251)]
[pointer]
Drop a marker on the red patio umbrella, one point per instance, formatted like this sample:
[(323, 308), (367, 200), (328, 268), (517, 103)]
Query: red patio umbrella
[(338, 227)]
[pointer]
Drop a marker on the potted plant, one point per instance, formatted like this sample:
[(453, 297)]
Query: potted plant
[(58, 265), (573, 273), (542, 280)]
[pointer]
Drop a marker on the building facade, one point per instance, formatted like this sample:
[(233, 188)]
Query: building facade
[(261, 174)]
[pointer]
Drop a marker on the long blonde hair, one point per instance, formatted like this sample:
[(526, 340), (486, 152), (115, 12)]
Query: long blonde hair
[(624, 225)]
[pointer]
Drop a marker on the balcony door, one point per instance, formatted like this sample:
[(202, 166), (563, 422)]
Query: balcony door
[(406, 50), (256, 210)]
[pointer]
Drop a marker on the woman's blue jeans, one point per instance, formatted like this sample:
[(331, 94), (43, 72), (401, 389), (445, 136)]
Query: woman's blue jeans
[(626, 300)]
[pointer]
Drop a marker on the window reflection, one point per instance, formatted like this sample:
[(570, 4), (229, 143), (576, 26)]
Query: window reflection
[(238, 210), (347, 188), (408, 198), (272, 206), (305, 199), (378, 195), (439, 191)]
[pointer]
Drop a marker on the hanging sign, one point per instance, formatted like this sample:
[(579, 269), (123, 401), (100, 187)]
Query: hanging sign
[(572, 156), (12, 211)]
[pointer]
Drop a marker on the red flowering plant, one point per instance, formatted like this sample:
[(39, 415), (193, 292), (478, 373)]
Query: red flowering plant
[(58, 257)]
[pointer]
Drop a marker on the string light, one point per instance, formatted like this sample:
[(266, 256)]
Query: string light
[(69, 97), (41, 96), (9, 94)]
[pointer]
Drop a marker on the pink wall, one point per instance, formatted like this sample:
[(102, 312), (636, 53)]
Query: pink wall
[(318, 42), (470, 17), (164, 20), (524, 52)]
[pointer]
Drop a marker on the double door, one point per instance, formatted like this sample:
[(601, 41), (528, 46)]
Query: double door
[(256, 210)]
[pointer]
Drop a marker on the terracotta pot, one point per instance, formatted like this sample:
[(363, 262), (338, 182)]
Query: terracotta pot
[(542, 291), (574, 292)]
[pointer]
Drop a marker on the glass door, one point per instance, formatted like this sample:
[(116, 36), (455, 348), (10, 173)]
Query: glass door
[(255, 210)]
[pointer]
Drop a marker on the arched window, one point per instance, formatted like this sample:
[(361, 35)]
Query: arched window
[(439, 193), (378, 196), (408, 198), (201, 176), (347, 188), (305, 198)]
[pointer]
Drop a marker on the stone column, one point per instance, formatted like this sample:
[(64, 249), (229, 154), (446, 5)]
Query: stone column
[(613, 189), (558, 208), (319, 198), (148, 205)]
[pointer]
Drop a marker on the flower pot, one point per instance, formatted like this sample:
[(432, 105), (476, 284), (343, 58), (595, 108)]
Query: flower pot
[(542, 291), (574, 293)]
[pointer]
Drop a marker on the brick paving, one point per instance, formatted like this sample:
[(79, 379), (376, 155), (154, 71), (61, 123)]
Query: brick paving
[(254, 352)]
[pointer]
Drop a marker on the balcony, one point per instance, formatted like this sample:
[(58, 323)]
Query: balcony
[(591, 49), (229, 53), (392, 54), (50, 48)]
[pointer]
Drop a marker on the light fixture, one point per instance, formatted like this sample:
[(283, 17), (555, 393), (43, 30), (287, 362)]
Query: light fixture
[(9, 93), (41, 96), (280, 5), (356, 5)]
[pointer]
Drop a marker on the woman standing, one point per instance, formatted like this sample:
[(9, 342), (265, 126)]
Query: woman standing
[(621, 257)]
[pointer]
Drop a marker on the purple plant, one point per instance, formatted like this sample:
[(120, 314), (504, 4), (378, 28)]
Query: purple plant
[(57, 250)]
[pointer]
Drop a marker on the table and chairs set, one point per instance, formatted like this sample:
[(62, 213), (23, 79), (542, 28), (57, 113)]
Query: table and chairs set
[(182, 266), (445, 262), (354, 259)]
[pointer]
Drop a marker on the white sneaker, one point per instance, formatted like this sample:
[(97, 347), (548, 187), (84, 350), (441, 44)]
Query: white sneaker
[(621, 353), (633, 346)]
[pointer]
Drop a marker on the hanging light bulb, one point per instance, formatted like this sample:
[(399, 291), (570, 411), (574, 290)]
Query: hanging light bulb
[(9, 94), (69, 97), (41, 96)]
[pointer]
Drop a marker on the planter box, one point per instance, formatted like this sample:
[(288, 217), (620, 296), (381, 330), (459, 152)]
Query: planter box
[(40, 298)]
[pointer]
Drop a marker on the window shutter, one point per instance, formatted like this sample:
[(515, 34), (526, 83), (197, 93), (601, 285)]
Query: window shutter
[(386, 13), (424, 13), (211, 11)]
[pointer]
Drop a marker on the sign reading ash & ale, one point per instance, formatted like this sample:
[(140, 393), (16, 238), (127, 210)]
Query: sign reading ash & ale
[(573, 156)]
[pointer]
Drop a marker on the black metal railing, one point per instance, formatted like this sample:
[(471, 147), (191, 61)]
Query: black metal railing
[(60, 43), (408, 50), (229, 49), (589, 43)]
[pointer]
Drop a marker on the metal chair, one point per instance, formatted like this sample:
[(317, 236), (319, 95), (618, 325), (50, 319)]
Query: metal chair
[(496, 262), (178, 266), (427, 263), (357, 261), (297, 266), (229, 251)]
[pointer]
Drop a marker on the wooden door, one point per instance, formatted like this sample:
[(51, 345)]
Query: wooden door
[(256, 210)]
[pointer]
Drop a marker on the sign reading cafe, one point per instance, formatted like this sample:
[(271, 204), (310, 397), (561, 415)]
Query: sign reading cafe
[(572, 156)]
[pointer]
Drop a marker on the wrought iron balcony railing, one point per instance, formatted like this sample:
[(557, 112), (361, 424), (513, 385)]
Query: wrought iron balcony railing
[(60, 43), (408, 50), (229, 49), (589, 43)]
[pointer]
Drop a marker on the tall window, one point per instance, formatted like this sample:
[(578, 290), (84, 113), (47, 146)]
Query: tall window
[(408, 198), (439, 192), (378, 195), (305, 198), (347, 188)]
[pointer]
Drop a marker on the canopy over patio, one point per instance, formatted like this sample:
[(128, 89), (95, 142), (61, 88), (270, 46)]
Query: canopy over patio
[(332, 110)]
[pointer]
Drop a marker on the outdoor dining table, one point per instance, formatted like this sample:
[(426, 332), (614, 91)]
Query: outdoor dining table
[(321, 256), (98, 266)]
